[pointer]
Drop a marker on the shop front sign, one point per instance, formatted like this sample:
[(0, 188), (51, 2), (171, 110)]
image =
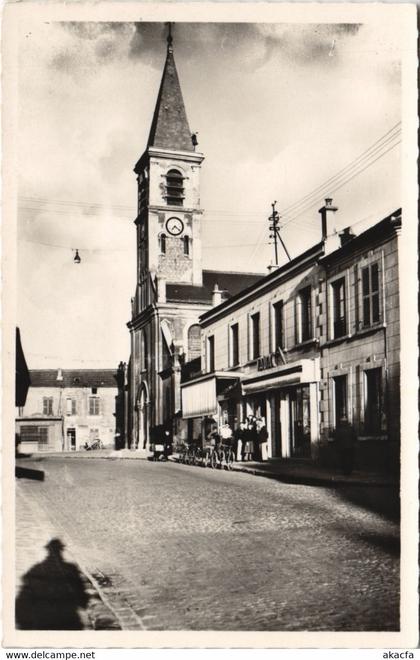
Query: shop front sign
[(275, 359)]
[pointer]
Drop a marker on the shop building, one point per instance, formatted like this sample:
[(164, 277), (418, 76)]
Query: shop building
[(360, 341), (312, 343), (65, 408)]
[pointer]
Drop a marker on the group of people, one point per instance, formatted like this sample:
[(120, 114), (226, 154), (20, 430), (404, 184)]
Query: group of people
[(246, 440)]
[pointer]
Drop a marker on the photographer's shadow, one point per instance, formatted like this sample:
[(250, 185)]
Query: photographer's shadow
[(52, 593)]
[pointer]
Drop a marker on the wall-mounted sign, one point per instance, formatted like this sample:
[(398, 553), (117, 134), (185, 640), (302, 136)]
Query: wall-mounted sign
[(275, 359)]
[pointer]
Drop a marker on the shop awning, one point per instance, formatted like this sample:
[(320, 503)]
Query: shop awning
[(270, 384), (199, 397), (303, 371)]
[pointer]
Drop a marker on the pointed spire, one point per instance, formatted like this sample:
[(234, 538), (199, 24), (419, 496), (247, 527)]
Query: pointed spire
[(170, 128)]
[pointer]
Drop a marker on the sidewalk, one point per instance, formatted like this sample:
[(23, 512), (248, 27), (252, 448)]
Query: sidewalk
[(291, 471), (308, 473), (53, 588)]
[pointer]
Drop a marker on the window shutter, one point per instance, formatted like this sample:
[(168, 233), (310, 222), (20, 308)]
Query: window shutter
[(297, 330)]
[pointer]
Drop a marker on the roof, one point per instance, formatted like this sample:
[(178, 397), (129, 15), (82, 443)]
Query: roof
[(230, 283), (379, 232), (170, 128), (74, 378), (312, 253)]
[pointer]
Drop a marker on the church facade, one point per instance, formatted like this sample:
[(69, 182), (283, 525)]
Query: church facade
[(172, 289)]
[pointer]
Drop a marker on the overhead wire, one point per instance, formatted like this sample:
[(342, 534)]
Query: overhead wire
[(368, 153), (335, 183), (343, 183)]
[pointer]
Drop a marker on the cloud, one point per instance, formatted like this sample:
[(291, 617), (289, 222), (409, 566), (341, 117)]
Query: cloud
[(101, 43)]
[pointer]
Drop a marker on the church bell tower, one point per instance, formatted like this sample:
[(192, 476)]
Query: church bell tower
[(168, 175)]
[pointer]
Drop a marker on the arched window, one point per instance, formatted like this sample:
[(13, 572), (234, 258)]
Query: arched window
[(162, 243), (194, 342), (174, 188), (186, 241)]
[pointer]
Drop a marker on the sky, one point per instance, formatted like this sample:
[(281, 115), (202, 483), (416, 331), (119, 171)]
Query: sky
[(280, 109)]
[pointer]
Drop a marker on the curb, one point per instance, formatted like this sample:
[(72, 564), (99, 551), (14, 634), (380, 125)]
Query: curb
[(310, 480)]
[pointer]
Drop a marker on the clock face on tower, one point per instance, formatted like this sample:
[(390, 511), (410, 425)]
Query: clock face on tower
[(174, 226)]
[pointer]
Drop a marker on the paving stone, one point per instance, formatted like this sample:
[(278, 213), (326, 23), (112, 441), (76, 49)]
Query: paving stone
[(185, 548)]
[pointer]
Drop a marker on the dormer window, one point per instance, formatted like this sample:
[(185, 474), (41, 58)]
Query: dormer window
[(174, 188)]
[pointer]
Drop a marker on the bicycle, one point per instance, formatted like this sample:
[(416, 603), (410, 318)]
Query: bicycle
[(222, 456)]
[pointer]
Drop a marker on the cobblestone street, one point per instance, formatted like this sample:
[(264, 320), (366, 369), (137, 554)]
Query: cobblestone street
[(177, 547)]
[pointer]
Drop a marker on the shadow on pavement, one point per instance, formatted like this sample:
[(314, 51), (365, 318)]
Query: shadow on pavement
[(27, 473), (51, 594), (389, 544), (384, 501)]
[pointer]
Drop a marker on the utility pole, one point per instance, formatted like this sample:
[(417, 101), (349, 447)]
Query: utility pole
[(274, 227)]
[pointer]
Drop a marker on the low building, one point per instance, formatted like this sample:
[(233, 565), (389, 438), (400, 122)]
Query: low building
[(314, 342), (65, 408)]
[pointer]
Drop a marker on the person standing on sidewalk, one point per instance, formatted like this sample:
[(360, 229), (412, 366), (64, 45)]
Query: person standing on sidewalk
[(346, 440), (262, 439), (239, 441)]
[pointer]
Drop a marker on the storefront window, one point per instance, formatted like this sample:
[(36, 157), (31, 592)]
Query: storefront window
[(340, 396), (373, 401)]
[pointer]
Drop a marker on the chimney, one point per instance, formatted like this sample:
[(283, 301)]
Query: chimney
[(346, 235), (327, 217), (330, 236), (217, 296), (59, 374)]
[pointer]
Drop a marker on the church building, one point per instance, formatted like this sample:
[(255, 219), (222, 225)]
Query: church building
[(172, 289)]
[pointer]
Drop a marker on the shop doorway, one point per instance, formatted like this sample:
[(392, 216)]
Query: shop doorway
[(277, 453), (71, 439), (300, 422)]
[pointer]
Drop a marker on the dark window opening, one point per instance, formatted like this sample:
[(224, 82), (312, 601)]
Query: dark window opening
[(255, 339), (305, 314), (278, 325), (162, 243), (210, 353), (340, 395), (186, 241), (339, 308), (234, 345)]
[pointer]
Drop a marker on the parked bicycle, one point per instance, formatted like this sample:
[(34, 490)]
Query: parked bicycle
[(222, 456), (96, 444)]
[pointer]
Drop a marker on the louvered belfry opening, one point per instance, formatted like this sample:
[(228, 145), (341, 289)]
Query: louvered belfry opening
[(174, 188)]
